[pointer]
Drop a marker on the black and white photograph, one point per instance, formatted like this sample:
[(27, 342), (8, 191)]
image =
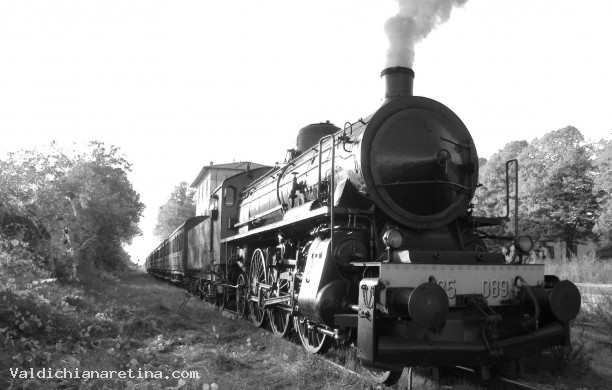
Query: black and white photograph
[(348, 194)]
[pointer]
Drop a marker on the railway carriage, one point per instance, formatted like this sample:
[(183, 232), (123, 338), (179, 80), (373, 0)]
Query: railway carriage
[(169, 260), (366, 235), (154, 263)]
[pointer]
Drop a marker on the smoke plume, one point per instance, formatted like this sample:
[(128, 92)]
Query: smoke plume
[(414, 21)]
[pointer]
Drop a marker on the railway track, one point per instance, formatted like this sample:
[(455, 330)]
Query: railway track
[(499, 382), (471, 375), (590, 293), (456, 372)]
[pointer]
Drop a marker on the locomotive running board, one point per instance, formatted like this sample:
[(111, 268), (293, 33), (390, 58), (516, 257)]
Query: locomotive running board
[(297, 218), (258, 216)]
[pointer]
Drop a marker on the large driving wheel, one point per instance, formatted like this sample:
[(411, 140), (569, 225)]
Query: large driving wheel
[(218, 286), (279, 315), (257, 277), (201, 288), (241, 295), (224, 299), (228, 293), (313, 341)]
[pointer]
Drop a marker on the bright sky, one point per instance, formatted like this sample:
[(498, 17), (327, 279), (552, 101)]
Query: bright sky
[(177, 84)]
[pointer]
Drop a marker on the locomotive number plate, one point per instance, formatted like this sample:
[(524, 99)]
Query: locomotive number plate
[(494, 282), (496, 288), (491, 288), (450, 286)]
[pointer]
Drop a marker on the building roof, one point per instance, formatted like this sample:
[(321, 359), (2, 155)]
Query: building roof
[(240, 166)]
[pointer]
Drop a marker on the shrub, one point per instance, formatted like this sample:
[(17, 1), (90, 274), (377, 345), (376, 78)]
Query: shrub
[(582, 269)]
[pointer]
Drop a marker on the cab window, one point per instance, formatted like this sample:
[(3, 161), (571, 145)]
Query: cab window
[(230, 197)]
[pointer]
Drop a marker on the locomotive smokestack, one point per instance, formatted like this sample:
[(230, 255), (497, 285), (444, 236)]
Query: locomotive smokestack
[(398, 81)]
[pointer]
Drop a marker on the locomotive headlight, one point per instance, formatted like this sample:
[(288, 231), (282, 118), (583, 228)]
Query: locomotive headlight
[(393, 238), (524, 243)]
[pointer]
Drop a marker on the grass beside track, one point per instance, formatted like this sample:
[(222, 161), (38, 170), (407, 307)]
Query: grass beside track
[(132, 321)]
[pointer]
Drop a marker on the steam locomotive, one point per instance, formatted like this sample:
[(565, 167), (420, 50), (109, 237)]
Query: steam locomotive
[(366, 235)]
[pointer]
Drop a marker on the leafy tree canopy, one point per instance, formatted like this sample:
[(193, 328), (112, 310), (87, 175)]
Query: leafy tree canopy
[(557, 194), (73, 207), (492, 192), (177, 210), (557, 186), (603, 190)]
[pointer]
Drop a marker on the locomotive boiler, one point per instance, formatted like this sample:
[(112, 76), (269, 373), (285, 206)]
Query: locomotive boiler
[(365, 235)]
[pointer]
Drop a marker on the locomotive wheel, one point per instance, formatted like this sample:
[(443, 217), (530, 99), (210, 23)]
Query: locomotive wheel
[(241, 295), (201, 288), (191, 286), (218, 286), (313, 341), (224, 298), (227, 294), (258, 275), (194, 288), (384, 377), (211, 292), (280, 320)]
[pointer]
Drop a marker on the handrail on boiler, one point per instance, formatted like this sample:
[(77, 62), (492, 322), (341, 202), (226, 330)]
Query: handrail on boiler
[(331, 182), (516, 199)]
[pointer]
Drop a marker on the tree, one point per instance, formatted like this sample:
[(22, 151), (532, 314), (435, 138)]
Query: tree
[(177, 209), (106, 207), (31, 207), (82, 198), (558, 196), (492, 192), (603, 190), (557, 191)]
